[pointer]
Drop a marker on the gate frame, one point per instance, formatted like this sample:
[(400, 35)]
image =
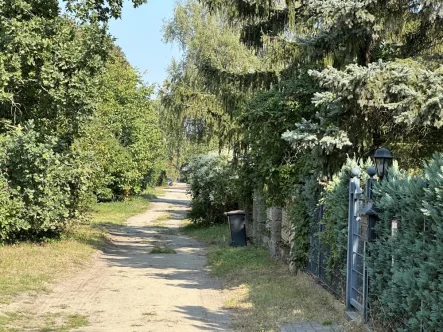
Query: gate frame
[(354, 201)]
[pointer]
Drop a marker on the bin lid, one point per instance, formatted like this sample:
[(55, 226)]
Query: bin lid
[(231, 213)]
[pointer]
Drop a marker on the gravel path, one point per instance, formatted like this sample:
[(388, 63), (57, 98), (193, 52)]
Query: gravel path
[(129, 289)]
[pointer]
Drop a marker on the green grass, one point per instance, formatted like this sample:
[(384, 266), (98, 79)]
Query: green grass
[(116, 213), (214, 235), (262, 292), (62, 323), (29, 267), (162, 250)]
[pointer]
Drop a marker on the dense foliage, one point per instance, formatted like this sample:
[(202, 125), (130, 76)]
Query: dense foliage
[(39, 185), (76, 120), (11, 209), (124, 135)]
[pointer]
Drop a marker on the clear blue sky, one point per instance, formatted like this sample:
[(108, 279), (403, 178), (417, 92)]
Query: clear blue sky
[(139, 34)]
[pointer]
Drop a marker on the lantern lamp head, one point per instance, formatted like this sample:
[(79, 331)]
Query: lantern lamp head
[(383, 161)]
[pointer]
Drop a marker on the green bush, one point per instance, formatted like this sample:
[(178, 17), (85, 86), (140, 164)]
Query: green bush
[(406, 270), (212, 188), (41, 189)]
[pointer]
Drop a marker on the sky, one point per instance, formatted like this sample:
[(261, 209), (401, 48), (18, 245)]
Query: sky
[(139, 34)]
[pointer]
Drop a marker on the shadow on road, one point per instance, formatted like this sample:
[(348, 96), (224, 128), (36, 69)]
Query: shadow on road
[(214, 320)]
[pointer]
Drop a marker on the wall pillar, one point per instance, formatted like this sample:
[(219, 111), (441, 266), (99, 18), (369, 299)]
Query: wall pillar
[(274, 216)]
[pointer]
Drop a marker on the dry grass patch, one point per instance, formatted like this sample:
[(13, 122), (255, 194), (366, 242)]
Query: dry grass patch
[(30, 267), (60, 322), (261, 292)]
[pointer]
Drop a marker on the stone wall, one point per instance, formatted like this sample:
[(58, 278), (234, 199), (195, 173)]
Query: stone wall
[(285, 228), (269, 227), (273, 223)]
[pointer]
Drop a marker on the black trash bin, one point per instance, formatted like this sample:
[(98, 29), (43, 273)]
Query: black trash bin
[(237, 226)]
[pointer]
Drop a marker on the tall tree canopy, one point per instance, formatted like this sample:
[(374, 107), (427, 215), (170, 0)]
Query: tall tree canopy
[(376, 68)]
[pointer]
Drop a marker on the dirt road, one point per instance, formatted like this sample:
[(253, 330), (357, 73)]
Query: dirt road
[(129, 289)]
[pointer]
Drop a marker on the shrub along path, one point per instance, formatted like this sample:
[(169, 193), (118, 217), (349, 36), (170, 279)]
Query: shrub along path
[(151, 278)]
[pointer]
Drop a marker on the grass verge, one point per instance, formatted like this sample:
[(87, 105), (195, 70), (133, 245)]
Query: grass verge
[(30, 267), (261, 292), (116, 213)]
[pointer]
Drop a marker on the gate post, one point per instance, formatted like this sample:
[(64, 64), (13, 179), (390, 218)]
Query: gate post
[(354, 197)]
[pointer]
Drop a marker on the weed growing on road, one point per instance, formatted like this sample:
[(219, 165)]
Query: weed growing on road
[(162, 250), (163, 217), (261, 292), (160, 220)]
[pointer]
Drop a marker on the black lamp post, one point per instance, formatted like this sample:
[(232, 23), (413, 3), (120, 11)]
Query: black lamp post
[(383, 161)]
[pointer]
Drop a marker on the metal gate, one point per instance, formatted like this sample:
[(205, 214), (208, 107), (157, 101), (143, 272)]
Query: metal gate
[(356, 279)]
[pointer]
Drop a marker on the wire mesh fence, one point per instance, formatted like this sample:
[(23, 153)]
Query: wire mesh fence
[(333, 280)]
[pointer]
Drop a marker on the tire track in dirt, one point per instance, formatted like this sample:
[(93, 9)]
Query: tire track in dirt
[(128, 289)]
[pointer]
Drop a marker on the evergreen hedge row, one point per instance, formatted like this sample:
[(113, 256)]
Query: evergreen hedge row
[(406, 270)]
